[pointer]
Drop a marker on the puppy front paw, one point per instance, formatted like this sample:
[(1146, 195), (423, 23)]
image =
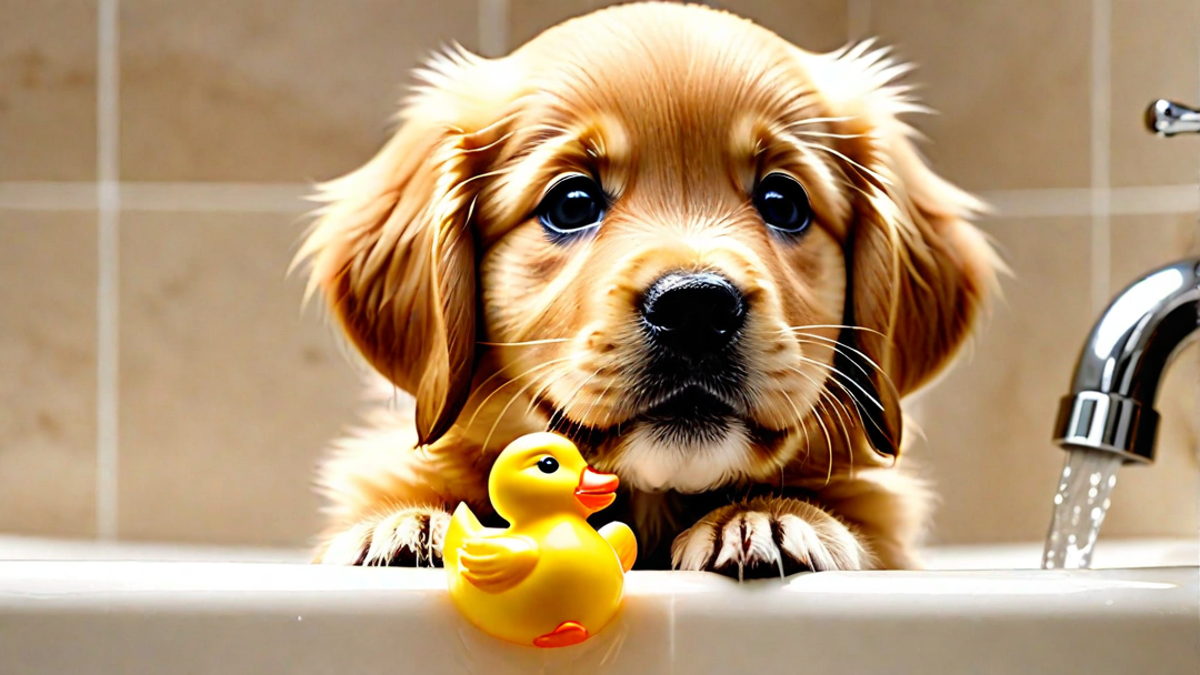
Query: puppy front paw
[(410, 537), (767, 537)]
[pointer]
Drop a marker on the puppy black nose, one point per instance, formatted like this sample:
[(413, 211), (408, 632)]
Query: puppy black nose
[(693, 315)]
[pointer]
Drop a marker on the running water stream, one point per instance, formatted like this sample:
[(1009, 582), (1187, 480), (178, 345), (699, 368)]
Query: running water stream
[(1088, 478)]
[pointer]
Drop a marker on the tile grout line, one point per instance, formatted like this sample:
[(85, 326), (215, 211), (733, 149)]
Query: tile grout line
[(493, 27), (108, 203), (1101, 127)]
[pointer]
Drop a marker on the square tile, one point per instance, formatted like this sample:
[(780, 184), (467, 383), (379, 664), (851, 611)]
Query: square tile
[(270, 90), (48, 90), (988, 424), (228, 394), (1161, 499), (1010, 82), (1155, 54), (48, 360)]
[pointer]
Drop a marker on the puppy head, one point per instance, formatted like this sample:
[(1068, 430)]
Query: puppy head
[(686, 243)]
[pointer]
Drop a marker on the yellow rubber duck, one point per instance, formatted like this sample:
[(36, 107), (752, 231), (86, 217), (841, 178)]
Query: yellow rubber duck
[(550, 579)]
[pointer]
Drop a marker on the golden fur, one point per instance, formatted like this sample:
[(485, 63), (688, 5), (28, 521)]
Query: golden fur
[(439, 273)]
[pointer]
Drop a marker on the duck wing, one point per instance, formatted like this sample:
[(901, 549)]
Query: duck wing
[(620, 537), (463, 526), (497, 563)]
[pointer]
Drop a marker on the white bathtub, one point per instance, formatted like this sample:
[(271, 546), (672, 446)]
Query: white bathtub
[(82, 609)]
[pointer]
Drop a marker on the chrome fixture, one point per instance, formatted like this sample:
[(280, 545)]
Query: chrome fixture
[(1109, 419), (1167, 118), (1111, 404)]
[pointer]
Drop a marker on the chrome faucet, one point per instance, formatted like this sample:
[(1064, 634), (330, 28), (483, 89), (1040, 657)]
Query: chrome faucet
[(1167, 118), (1109, 419), (1111, 404)]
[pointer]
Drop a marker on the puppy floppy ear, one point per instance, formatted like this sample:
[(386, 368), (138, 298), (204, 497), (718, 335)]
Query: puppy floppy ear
[(919, 272), (393, 250)]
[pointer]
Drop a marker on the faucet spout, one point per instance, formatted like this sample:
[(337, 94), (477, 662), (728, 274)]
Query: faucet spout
[(1111, 404)]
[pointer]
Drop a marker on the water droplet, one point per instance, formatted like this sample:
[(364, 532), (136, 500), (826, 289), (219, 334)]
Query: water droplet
[(1070, 539), (1092, 493), (1058, 499), (1097, 515), (1094, 479), (1107, 503), (1066, 471), (1112, 480), (1049, 564)]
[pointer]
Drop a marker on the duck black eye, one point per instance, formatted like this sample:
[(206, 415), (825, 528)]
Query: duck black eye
[(783, 203), (573, 204), (547, 465)]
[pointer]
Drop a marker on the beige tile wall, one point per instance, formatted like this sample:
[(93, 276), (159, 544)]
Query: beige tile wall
[(1010, 82), (1154, 55), (988, 423), (818, 25), (226, 394), (270, 90), (48, 372), (47, 90)]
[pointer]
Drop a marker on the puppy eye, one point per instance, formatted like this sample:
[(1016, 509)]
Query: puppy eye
[(783, 203), (573, 204), (547, 465)]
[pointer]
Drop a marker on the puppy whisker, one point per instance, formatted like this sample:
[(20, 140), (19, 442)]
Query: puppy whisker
[(829, 447), (839, 373), (596, 399), (825, 134), (489, 174), (608, 415), (883, 180), (483, 385), (538, 396), (503, 411), (822, 120), (825, 398), (843, 326), (562, 409), (835, 345), (483, 404), (822, 392), (803, 427), (822, 396), (843, 421), (828, 440)]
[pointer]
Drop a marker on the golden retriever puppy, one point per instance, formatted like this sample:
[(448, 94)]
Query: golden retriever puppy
[(712, 259)]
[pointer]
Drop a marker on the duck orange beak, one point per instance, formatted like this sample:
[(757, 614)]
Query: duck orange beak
[(596, 491)]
